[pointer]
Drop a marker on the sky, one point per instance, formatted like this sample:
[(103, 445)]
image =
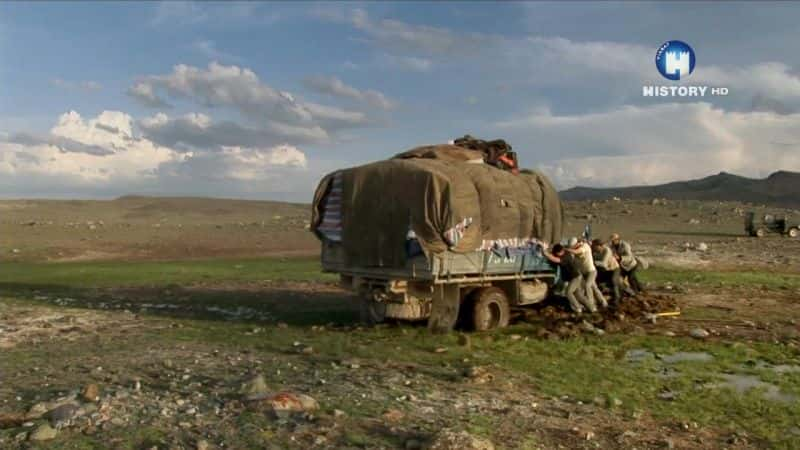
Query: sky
[(260, 100)]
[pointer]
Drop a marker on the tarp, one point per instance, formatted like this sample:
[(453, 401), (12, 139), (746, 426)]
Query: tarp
[(447, 197)]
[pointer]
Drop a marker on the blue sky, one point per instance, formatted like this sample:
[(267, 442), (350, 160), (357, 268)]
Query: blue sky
[(259, 100)]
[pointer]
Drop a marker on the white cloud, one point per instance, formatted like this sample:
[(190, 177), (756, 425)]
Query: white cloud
[(401, 36), (221, 85), (287, 155), (209, 49), (660, 143), (241, 89), (178, 12), (389, 61), (198, 131), (337, 88), (409, 63), (236, 164), (86, 86), (189, 13), (146, 95), (128, 161), (126, 157)]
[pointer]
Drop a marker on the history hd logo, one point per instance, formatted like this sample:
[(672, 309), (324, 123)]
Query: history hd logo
[(675, 60)]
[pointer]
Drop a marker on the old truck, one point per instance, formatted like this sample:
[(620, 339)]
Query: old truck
[(769, 223), (440, 233)]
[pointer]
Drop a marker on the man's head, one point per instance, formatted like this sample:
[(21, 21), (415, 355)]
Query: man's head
[(615, 238), (598, 244), (558, 249)]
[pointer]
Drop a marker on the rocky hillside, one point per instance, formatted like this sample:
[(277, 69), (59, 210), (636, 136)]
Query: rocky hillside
[(779, 189)]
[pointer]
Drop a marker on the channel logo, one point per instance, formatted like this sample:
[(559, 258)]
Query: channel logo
[(675, 60)]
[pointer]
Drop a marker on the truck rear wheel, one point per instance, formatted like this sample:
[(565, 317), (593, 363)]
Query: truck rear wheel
[(794, 232), (761, 232), (490, 309)]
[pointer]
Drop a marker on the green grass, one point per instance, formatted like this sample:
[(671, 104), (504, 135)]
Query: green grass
[(769, 280), (160, 273)]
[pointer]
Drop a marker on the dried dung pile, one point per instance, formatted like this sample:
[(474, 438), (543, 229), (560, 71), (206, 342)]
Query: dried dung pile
[(558, 322)]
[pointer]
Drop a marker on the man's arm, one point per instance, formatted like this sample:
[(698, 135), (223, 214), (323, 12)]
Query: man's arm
[(552, 258), (581, 250)]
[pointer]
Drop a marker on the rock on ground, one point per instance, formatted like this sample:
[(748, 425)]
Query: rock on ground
[(447, 439), (43, 433), (91, 393), (699, 333), (284, 404), (11, 420), (255, 388)]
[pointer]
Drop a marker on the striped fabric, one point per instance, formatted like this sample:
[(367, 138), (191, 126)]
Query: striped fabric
[(331, 226)]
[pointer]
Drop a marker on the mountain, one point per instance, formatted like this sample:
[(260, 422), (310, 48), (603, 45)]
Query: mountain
[(781, 189)]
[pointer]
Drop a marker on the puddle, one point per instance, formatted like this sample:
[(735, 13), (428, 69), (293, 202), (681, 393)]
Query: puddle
[(777, 368), (639, 354), (737, 382), (784, 368), (687, 356), (743, 383)]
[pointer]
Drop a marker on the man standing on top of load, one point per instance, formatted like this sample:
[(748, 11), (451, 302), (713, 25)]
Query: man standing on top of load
[(585, 264), (627, 261)]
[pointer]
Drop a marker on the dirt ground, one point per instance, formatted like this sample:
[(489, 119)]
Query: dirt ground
[(192, 387), (145, 228), (199, 365), (673, 232)]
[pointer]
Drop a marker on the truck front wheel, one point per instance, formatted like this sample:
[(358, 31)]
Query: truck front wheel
[(794, 232), (490, 309)]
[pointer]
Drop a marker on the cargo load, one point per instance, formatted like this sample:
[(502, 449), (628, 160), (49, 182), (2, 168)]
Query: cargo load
[(457, 198)]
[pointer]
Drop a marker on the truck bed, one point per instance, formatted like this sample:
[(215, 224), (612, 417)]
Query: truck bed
[(447, 267)]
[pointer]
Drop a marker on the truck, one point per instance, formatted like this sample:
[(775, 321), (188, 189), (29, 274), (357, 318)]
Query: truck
[(769, 223), (445, 234)]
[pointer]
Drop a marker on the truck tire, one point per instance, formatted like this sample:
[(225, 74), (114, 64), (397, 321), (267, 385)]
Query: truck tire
[(490, 309), (761, 232), (794, 232), (372, 312)]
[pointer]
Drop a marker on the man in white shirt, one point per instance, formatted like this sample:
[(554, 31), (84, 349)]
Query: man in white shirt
[(585, 265), (627, 261)]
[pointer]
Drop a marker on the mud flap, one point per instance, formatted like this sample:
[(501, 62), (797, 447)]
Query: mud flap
[(444, 308)]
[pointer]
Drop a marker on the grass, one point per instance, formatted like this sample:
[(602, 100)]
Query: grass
[(581, 368), (164, 273), (768, 280), (161, 273)]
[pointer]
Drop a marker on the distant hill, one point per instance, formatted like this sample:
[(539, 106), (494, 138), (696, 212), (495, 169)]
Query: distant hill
[(779, 189)]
